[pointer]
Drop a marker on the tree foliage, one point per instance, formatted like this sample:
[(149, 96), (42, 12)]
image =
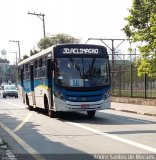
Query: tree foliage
[(141, 27), (25, 57), (56, 39), (33, 51)]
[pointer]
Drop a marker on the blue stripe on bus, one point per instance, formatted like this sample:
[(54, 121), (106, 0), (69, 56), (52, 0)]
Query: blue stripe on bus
[(84, 96), (83, 93), (75, 96), (38, 82), (27, 84)]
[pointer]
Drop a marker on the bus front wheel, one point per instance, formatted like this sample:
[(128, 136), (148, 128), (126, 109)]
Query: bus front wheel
[(91, 114), (50, 113)]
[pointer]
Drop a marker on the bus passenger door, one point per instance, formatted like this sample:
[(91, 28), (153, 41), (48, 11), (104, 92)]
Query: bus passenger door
[(49, 77), (32, 86)]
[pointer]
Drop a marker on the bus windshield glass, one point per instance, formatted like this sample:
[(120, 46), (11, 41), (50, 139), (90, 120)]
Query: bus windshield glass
[(81, 72)]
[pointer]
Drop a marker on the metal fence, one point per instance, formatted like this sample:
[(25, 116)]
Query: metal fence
[(126, 82)]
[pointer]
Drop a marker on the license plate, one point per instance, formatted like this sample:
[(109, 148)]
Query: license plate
[(85, 105)]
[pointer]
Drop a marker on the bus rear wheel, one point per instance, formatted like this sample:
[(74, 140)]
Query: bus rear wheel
[(27, 102), (91, 114)]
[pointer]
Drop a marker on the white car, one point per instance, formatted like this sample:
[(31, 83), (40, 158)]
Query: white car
[(9, 90)]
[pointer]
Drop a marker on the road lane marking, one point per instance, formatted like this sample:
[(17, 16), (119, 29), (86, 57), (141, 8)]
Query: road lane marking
[(123, 140), (13, 104), (23, 122), (4, 111), (21, 142)]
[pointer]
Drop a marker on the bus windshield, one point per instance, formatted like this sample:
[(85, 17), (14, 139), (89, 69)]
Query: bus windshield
[(81, 72)]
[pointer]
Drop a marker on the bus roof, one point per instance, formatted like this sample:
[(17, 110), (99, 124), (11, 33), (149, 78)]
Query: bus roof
[(36, 55)]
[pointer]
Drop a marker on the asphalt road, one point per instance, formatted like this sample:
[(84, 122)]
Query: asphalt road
[(110, 132)]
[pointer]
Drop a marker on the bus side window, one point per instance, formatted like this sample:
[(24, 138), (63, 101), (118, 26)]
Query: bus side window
[(35, 69), (40, 62), (28, 71), (24, 72), (43, 67), (44, 60), (38, 69)]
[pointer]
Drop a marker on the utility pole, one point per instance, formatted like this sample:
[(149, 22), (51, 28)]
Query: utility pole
[(19, 52), (41, 16)]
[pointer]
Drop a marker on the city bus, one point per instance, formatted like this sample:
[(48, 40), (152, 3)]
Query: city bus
[(66, 77)]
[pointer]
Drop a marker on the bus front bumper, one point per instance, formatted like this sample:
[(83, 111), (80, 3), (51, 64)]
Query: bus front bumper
[(81, 106)]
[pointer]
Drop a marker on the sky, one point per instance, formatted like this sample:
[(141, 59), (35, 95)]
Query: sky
[(82, 19)]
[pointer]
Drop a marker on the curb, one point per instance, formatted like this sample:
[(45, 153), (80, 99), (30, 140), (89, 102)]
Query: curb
[(129, 111), (139, 101)]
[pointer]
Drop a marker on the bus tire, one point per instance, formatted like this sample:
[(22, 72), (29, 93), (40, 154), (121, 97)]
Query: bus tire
[(50, 113), (27, 102), (91, 114)]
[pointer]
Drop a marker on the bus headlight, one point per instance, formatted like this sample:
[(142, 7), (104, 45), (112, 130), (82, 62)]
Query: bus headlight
[(59, 95), (107, 94)]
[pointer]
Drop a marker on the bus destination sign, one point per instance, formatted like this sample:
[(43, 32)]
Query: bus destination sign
[(80, 51)]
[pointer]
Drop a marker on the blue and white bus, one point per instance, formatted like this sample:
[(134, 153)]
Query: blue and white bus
[(67, 77)]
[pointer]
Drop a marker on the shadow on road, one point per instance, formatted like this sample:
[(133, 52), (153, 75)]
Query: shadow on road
[(47, 147), (101, 118)]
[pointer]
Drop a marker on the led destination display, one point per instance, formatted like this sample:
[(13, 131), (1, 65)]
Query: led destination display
[(80, 50)]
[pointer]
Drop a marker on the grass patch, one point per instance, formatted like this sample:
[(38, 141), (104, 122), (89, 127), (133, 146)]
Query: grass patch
[(4, 145)]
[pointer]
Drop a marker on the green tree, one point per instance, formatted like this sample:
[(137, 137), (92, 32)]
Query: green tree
[(56, 39), (25, 57), (33, 51), (141, 27)]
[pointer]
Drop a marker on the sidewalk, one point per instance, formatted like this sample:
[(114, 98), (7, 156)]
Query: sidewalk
[(134, 108)]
